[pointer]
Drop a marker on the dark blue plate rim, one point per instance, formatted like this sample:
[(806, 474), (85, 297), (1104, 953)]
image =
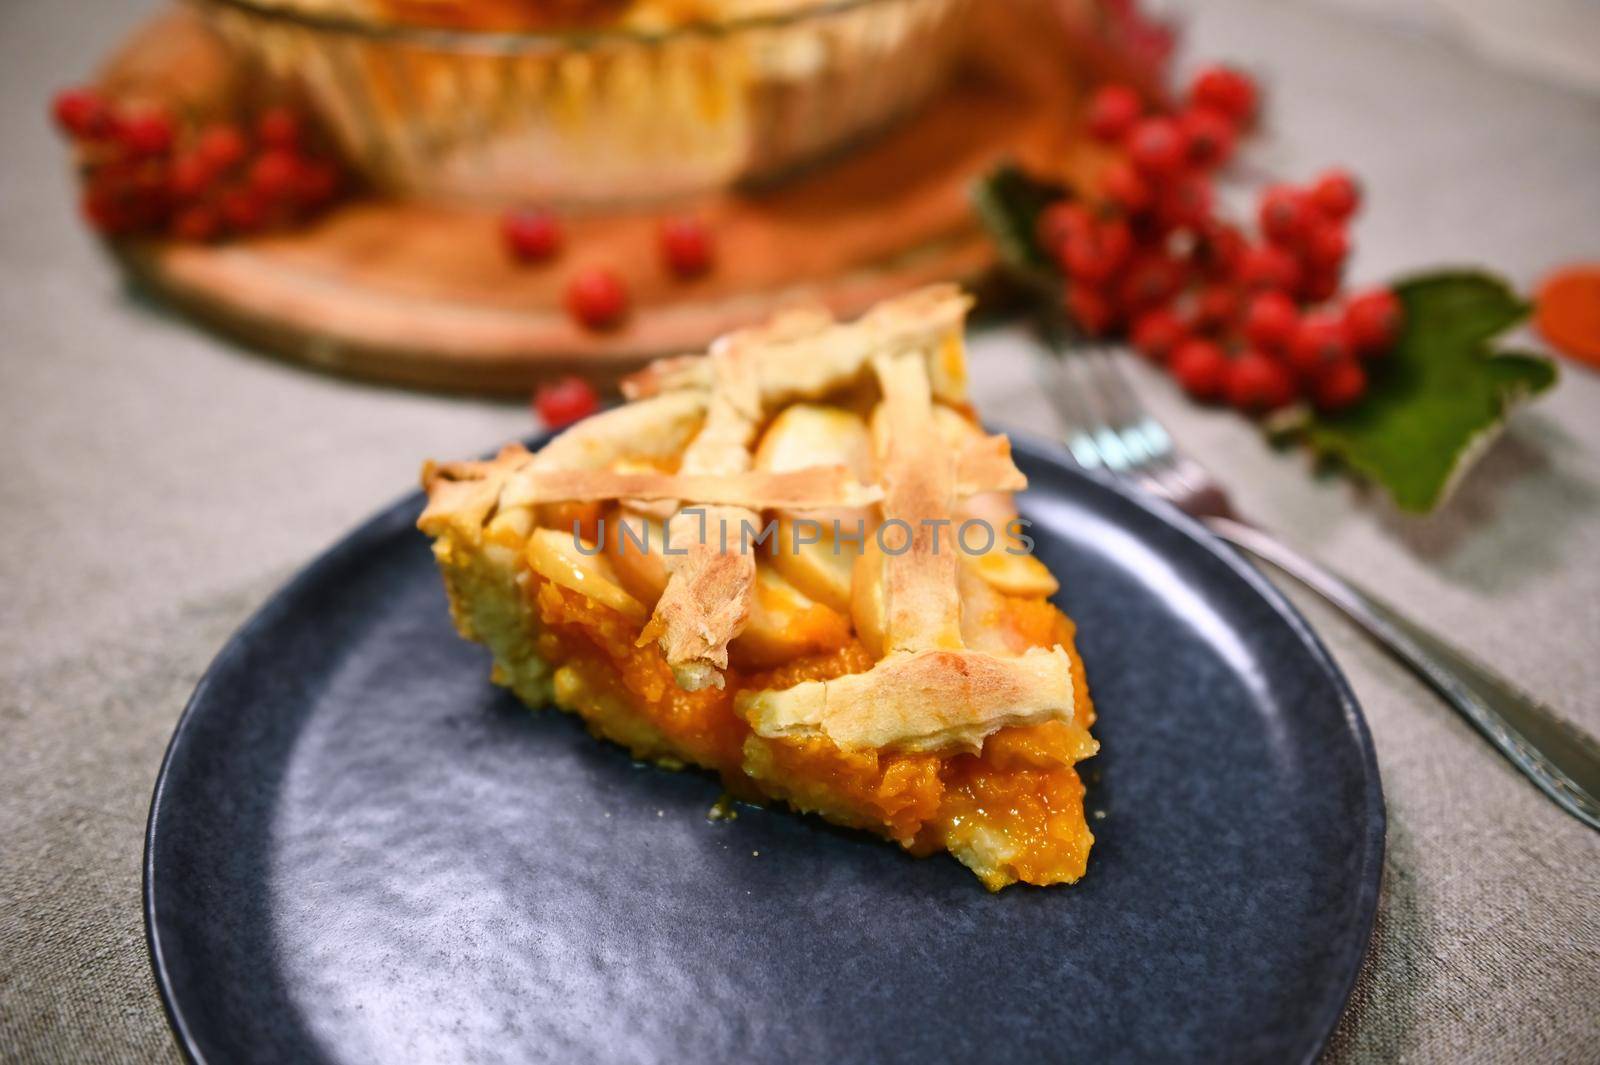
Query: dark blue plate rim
[(1323, 1019)]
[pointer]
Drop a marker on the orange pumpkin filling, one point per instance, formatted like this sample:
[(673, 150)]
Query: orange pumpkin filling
[(1018, 802)]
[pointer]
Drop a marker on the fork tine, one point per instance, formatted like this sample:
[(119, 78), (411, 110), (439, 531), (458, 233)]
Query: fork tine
[(1062, 380), (1147, 437), (1168, 472), (1108, 426), (1112, 430)]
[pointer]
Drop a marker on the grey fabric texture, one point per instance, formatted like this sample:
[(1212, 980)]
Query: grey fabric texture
[(159, 483)]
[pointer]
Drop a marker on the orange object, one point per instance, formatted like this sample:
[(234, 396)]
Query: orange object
[(1567, 312)]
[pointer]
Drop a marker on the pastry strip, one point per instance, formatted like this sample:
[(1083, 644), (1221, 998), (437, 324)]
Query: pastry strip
[(804, 354), (986, 466), (918, 475), (708, 594), (921, 701), (811, 488)]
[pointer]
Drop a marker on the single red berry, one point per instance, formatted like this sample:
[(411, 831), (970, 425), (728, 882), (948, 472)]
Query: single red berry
[(1060, 223), (531, 235), (279, 127), (1089, 308), (1216, 307), (1201, 368), (1225, 89), (564, 401), (1210, 136), (1185, 203), (105, 211), (597, 298), (1116, 241), (1265, 266), (1157, 147), (1113, 110), (1270, 321), (1124, 187), (1221, 245), (1257, 382), (1283, 212), (1373, 319), (133, 195), (1339, 385), (243, 209), (222, 146), (1157, 333), (1336, 195), (1152, 278), (1084, 262), (1326, 245), (81, 113), (275, 175), (1098, 253), (1319, 341), (146, 132), (190, 177), (686, 246), (197, 224), (1318, 285)]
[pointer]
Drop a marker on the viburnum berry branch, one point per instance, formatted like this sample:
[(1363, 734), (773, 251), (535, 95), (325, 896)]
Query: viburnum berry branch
[(146, 172), (1256, 320)]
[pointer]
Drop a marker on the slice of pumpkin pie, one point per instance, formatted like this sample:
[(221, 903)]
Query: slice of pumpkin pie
[(794, 561)]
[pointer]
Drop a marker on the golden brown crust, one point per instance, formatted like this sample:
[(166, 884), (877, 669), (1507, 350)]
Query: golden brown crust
[(930, 690), (986, 466), (921, 701), (811, 488), (923, 609), (708, 595), (707, 599), (667, 375), (696, 371), (804, 354), (465, 495)]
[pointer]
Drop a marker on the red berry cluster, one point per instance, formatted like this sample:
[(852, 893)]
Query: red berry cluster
[(1244, 320), (145, 173), (596, 297)]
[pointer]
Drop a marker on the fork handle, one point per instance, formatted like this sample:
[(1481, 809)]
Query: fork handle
[(1561, 759)]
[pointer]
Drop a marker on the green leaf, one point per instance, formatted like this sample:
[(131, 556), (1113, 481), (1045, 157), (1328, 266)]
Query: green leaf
[(1009, 203), (1442, 394)]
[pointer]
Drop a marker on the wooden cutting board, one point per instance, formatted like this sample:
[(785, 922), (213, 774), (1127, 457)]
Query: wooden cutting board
[(425, 295)]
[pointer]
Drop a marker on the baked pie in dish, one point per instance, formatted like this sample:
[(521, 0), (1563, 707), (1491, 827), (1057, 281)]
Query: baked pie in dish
[(522, 16), (796, 562), (597, 102)]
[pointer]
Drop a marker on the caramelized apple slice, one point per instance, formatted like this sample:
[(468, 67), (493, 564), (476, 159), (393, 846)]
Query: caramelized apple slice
[(868, 610), (1020, 574), (641, 570), (1013, 574), (981, 609), (785, 624), (820, 568), (812, 434), (809, 434), (554, 554)]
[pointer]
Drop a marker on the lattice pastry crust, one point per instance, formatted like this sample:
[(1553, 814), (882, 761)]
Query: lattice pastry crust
[(681, 450)]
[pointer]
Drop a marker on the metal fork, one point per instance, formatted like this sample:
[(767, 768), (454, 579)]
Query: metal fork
[(1109, 430)]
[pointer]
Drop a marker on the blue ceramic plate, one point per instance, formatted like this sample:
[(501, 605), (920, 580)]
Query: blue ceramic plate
[(361, 851)]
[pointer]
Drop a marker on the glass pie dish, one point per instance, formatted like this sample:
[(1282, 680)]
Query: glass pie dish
[(632, 110)]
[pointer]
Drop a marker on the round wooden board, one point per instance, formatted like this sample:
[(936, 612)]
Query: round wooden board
[(425, 295)]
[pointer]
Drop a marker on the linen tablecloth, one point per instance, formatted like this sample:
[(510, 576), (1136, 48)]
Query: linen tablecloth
[(158, 484)]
